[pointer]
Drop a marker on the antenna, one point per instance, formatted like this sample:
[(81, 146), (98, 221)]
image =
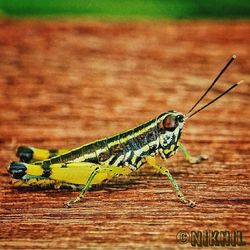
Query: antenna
[(214, 81), (215, 99)]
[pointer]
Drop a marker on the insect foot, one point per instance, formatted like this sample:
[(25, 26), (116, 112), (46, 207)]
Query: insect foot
[(70, 203), (197, 159), (191, 203), (182, 198)]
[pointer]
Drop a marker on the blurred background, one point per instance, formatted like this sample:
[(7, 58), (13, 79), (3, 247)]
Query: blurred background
[(136, 9)]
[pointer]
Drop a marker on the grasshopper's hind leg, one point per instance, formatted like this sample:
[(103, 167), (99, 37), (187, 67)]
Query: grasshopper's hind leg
[(80, 173), (28, 154), (152, 162), (100, 169), (192, 159)]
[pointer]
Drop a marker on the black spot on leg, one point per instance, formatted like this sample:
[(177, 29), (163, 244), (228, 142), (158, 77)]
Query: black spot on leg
[(46, 172), (25, 153)]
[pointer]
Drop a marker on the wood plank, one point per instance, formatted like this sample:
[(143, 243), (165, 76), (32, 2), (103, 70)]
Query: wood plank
[(70, 82)]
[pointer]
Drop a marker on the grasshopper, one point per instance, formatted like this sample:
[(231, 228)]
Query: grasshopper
[(95, 162)]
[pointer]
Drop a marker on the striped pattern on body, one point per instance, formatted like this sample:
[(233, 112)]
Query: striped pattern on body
[(127, 148), (119, 154)]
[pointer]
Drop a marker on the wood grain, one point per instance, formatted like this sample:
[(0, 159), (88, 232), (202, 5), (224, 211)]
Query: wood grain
[(65, 83)]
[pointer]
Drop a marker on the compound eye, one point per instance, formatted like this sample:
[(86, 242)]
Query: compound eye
[(180, 118), (169, 123)]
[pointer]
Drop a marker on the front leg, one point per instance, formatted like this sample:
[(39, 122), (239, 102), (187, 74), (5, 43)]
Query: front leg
[(152, 162), (192, 159)]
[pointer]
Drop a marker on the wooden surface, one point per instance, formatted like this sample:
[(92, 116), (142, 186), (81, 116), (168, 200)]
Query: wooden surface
[(66, 83)]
